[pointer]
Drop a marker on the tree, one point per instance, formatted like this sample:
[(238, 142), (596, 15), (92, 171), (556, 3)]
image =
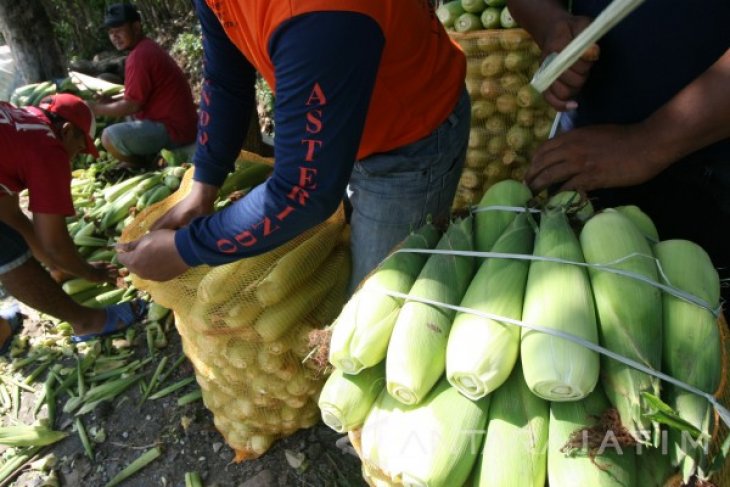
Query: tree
[(28, 31)]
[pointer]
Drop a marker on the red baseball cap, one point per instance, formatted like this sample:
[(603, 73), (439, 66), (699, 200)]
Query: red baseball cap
[(75, 110)]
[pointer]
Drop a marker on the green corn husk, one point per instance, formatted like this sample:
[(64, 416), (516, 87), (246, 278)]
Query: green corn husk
[(613, 465), (345, 399), (24, 435), (342, 330), (416, 356), (375, 313), (481, 352), (692, 350), (489, 225), (428, 444), (642, 221), (517, 429), (558, 296), (654, 466), (629, 314)]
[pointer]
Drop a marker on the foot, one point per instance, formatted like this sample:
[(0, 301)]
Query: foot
[(119, 317)]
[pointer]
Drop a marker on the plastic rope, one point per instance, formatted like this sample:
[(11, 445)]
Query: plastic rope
[(721, 410)]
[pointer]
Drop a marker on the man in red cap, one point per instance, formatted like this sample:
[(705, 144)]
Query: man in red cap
[(37, 145), (157, 99)]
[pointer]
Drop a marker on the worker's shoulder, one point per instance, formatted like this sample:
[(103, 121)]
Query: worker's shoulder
[(148, 48)]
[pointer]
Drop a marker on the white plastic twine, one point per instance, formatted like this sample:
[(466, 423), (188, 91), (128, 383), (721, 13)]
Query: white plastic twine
[(721, 410)]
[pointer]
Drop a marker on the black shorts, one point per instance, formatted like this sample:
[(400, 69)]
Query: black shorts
[(14, 250)]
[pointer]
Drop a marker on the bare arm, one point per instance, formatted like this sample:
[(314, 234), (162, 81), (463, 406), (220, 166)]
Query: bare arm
[(118, 109), (694, 118), (53, 237), (609, 156)]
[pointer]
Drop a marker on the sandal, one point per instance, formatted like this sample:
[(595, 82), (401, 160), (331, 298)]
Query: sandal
[(119, 317)]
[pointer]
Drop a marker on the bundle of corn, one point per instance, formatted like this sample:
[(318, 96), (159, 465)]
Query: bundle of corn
[(473, 15), (416, 356), (426, 444), (558, 296), (517, 429), (245, 327), (362, 332), (594, 436), (691, 346), (481, 352), (509, 119), (629, 313), (582, 450)]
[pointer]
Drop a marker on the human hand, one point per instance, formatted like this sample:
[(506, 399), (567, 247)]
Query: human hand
[(103, 272), (589, 158), (560, 95), (153, 256), (59, 275), (197, 203)]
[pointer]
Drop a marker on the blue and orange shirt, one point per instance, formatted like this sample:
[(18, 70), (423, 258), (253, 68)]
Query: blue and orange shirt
[(352, 78)]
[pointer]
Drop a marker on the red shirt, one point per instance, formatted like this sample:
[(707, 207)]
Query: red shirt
[(33, 158), (154, 79)]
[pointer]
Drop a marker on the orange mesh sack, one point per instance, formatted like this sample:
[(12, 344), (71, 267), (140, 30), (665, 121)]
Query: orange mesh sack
[(509, 119), (245, 327)]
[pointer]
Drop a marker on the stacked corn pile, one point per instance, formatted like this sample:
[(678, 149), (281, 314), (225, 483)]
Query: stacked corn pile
[(245, 328), (509, 118), (435, 396)]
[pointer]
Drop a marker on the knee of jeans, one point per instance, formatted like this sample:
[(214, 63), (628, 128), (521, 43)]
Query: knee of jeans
[(111, 139)]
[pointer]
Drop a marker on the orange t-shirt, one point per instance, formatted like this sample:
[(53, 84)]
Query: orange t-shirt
[(421, 73)]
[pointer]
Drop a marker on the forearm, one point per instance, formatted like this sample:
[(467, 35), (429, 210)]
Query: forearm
[(54, 240), (117, 109), (538, 17), (64, 256), (696, 117)]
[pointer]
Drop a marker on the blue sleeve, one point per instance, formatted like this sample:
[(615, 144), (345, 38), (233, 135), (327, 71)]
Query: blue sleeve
[(226, 101), (325, 66)]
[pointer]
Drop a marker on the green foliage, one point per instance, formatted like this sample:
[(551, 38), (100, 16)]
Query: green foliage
[(188, 52)]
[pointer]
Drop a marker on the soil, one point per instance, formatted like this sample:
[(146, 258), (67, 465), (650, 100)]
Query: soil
[(185, 434)]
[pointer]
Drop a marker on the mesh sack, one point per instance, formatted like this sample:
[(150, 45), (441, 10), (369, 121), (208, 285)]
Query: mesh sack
[(245, 327), (376, 477), (509, 119)]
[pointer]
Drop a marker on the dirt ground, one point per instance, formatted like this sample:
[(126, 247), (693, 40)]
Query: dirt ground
[(185, 435)]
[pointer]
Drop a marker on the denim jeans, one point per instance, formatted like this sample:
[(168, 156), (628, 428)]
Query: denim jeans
[(139, 137), (396, 192)]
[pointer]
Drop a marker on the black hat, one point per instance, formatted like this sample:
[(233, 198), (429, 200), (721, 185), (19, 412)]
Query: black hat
[(121, 13)]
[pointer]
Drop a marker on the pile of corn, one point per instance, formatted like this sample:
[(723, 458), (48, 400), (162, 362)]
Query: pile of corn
[(509, 118), (473, 15), (245, 327), (441, 396)]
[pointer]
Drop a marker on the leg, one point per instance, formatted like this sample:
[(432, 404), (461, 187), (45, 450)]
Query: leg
[(394, 193), (33, 286), (135, 143), (24, 278)]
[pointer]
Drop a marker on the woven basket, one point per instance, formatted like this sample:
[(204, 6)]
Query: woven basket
[(377, 478)]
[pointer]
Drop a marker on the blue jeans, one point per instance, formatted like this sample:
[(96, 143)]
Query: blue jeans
[(14, 250), (139, 137), (394, 193)]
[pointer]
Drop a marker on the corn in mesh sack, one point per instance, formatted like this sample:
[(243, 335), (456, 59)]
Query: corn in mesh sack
[(245, 326), (509, 119)]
